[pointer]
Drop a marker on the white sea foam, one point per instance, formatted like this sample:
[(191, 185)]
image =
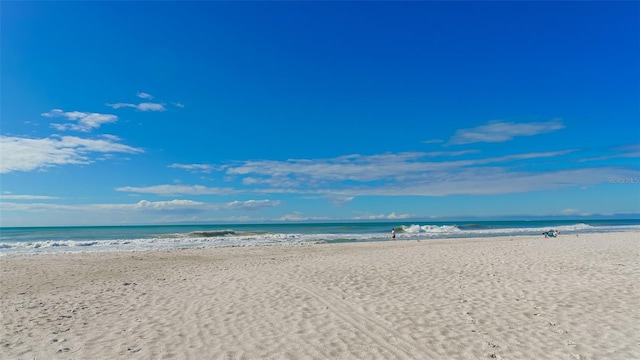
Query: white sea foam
[(415, 230), (430, 229), (164, 242), (228, 238)]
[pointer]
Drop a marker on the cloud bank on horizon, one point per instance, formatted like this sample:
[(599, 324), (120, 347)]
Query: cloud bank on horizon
[(302, 152)]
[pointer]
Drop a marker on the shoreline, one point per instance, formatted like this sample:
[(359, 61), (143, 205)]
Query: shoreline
[(507, 297), (81, 249), (87, 239)]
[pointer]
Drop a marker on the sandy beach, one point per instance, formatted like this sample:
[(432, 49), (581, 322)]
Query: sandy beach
[(571, 297)]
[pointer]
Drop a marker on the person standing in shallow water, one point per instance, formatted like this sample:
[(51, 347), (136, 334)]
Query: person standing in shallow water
[(393, 234)]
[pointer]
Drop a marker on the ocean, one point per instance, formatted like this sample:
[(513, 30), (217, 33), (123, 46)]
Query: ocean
[(34, 240)]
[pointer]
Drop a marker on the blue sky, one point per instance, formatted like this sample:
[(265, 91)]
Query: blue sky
[(176, 112)]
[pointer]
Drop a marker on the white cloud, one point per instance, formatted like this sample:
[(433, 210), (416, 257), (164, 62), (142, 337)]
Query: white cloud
[(26, 154), (340, 200), (171, 206), (409, 174), (182, 205), (27, 197), (280, 182), (298, 216), (150, 107), (391, 216), (145, 106), (172, 190), (144, 95), (612, 156), (349, 167), (525, 156), (358, 168), (85, 121), (251, 204), (626, 151), (494, 180), (450, 153), (205, 168), (500, 131), (342, 178), (629, 148), (39, 207)]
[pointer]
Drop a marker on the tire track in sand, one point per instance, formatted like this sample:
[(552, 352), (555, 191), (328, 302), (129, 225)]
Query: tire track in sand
[(367, 326)]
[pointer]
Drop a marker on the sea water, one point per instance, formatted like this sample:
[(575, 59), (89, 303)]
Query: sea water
[(27, 240)]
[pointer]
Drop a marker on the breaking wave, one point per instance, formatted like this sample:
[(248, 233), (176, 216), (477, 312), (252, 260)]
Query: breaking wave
[(78, 240)]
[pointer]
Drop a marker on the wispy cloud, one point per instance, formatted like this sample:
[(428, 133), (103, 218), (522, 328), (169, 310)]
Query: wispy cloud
[(298, 216), (251, 204), (450, 153), (360, 168), (391, 216), (26, 197), (172, 190), (350, 167), (145, 106), (171, 206), (144, 95), (26, 154), (625, 151), (494, 180), (190, 205), (340, 200), (500, 131), (85, 121), (410, 174), (204, 168), (39, 207), (342, 178)]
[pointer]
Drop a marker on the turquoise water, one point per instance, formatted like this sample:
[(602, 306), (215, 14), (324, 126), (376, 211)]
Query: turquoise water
[(114, 238)]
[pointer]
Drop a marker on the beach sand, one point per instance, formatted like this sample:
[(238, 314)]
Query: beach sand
[(571, 297)]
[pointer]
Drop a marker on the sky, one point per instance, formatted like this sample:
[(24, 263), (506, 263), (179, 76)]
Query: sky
[(116, 113)]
